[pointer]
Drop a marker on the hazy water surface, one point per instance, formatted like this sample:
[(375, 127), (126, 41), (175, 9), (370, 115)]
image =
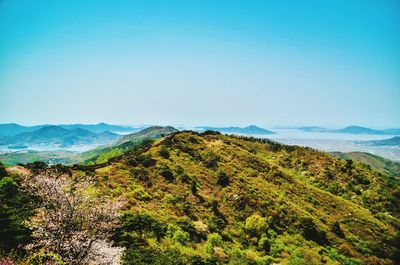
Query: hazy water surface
[(330, 142)]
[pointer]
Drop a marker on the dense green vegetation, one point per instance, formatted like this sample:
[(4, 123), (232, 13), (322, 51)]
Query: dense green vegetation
[(216, 199), (378, 163), (15, 208)]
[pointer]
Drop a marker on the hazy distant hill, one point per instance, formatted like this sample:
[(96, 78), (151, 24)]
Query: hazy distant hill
[(375, 162), (56, 135), (10, 129), (101, 127), (252, 129), (395, 141), (313, 129), (359, 130)]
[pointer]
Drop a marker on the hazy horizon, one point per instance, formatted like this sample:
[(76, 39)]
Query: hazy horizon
[(188, 126), (220, 63)]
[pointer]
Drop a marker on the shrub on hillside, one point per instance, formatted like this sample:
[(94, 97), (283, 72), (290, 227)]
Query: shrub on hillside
[(163, 152), (36, 167), (167, 174), (216, 223), (311, 232), (222, 179), (3, 171), (15, 209), (177, 234), (140, 173), (146, 160), (264, 243), (210, 160), (137, 226), (193, 187), (213, 240), (256, 225), (336, 229)]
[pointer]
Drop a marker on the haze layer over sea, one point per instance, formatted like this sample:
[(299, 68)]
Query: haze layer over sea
[(331, 142)]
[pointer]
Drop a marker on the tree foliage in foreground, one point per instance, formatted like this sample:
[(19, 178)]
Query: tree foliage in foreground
[(15, 208), (72, 218)]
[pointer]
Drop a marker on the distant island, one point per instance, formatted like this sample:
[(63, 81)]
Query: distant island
[(359, 130), (313, 129), (394, 141), (353, 129), (252, 129)]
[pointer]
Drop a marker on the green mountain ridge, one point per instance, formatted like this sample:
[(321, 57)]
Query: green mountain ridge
[(306, 205)]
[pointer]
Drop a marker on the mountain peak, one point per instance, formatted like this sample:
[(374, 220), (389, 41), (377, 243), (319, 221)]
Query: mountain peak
[(52, 128)]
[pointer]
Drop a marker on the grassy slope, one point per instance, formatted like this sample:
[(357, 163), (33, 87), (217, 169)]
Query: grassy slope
[(376, 162), (281, 183)]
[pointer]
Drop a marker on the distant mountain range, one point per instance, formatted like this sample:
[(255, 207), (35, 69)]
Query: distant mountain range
[(58, 136), (252, 129), (352, 130), (10, 129), (94, 156), (102, 127), (394, 141)]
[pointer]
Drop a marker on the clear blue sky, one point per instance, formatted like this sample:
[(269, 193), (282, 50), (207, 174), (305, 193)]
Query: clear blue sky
[(330, 63)]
